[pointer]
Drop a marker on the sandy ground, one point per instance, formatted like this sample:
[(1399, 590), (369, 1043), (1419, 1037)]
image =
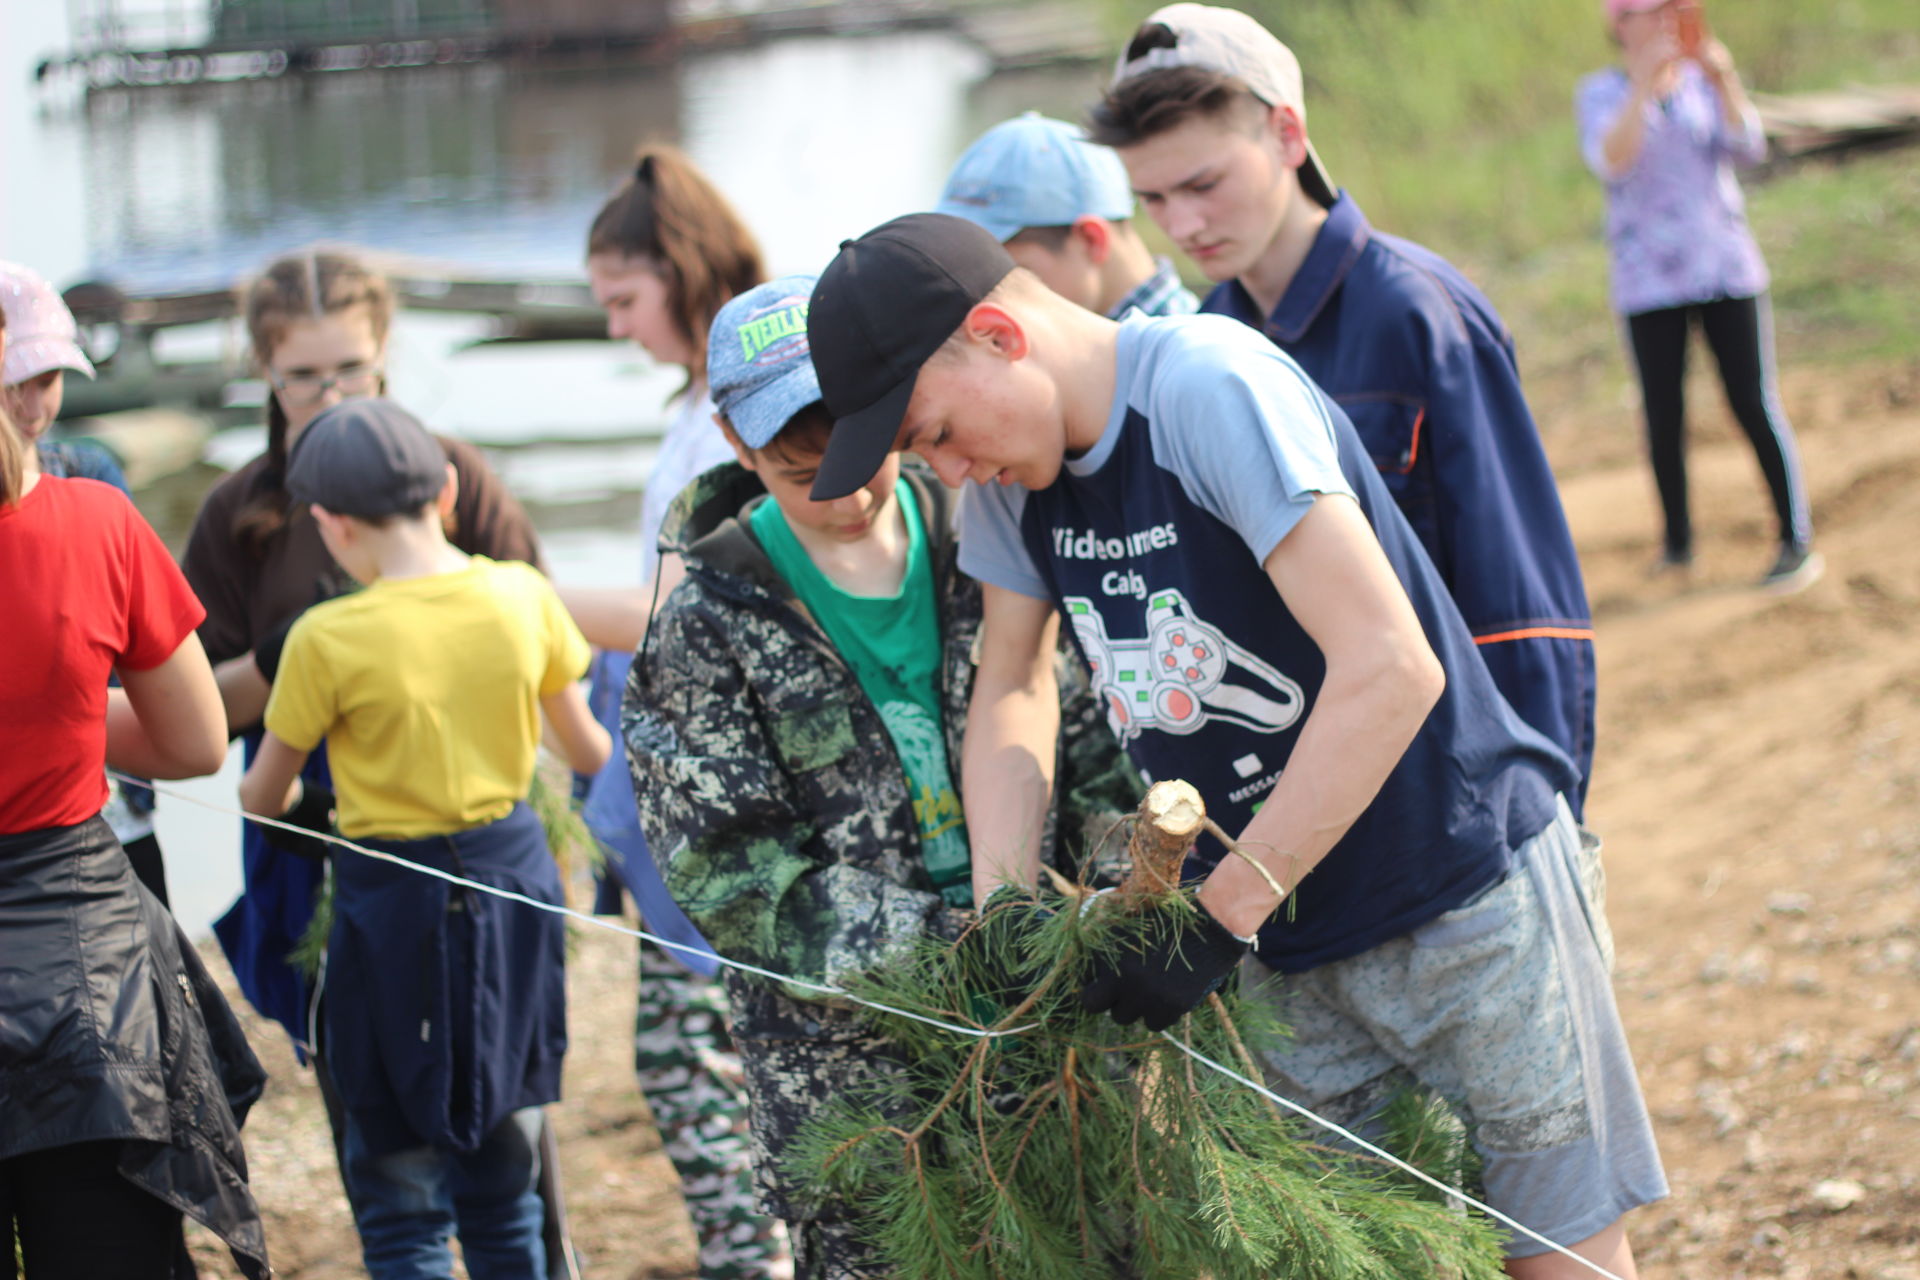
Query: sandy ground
[(1758, 786)]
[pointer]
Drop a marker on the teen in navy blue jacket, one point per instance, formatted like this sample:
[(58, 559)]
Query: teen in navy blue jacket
[(1394, 334), (1419, 360)]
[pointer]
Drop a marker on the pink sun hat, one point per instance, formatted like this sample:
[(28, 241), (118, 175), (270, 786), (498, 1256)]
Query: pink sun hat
[(41, 334)]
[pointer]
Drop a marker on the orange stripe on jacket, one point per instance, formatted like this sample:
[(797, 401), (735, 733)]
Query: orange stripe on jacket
[(1538, 633), (1413, 448)]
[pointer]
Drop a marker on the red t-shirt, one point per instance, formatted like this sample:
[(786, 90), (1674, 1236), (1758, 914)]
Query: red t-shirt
[(85, 586)]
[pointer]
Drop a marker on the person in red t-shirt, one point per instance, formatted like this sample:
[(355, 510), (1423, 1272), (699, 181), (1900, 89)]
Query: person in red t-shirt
[(121, 1067)]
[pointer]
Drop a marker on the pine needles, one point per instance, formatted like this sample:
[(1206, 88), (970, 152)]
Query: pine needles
[(1078, 1148)]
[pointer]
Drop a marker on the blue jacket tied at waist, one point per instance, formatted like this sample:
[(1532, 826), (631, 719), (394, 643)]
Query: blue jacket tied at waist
[(446, 1007)]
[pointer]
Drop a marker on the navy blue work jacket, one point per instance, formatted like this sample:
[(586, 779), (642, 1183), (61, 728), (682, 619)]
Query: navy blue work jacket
[(1420, 361)]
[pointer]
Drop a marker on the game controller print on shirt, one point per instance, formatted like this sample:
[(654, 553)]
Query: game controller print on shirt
[(1180, 674)]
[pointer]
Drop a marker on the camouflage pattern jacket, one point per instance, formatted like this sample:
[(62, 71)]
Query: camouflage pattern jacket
[(776, 805), (771, 792)]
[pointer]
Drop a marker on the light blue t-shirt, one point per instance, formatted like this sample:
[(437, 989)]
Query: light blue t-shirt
[(1231, 416)]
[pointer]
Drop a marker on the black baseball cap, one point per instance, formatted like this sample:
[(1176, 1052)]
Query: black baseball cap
[(883, 305), (366, 457)]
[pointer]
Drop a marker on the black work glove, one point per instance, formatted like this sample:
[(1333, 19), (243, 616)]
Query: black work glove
[(992, 950), (266, 654), (1162, 971), (314, 811), (333, 583)]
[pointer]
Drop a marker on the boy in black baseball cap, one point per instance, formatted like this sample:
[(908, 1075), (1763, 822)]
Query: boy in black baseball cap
[(429, 687), (1260, 620)]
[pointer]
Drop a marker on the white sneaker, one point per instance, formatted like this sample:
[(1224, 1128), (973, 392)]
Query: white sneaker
[(1798, 568)]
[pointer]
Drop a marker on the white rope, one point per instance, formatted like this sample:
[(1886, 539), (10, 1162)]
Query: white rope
[(1388, 1156), (598, 922), (601, 922)]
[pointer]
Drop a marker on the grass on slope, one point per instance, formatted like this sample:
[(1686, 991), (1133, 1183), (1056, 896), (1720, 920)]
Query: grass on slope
[(1451, 121)]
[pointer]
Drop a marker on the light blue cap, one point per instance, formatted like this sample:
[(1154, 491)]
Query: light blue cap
[(1035, 172), (759, 367)]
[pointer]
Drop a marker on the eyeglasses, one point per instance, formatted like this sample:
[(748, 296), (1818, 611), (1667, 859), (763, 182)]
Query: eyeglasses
[(306, 388)]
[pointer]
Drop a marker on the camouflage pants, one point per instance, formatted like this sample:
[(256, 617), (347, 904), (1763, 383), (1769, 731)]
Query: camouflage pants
[(690, 1076)]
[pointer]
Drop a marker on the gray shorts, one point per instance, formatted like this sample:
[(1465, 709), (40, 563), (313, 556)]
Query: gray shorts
[(1504, 1008)]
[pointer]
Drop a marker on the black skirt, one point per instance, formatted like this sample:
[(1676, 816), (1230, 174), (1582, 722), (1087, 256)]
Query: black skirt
[(112, 1029)]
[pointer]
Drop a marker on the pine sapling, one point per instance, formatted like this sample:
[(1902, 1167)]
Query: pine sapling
[(1063, 1145)]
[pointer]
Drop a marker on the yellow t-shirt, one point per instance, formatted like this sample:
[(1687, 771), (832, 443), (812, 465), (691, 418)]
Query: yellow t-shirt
[(427, 691)]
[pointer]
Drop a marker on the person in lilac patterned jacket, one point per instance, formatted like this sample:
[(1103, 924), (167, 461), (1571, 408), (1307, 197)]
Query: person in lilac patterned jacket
[(1665, 130)]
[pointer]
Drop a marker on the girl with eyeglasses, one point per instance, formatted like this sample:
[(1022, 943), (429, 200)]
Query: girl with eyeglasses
[(318, 324)]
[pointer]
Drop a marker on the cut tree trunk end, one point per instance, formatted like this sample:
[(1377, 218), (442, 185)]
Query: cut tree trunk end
[(1171, 818)]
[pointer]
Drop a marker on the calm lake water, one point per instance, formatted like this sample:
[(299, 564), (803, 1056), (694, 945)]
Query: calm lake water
[(814, 139)]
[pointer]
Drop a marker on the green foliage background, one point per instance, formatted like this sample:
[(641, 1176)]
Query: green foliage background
[(1451, 121), (1455, 116)]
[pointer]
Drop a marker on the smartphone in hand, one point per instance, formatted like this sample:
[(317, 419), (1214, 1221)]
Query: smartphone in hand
[(1690, 28)]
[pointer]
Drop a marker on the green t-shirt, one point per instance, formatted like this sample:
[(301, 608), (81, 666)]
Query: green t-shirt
[(892, 643)]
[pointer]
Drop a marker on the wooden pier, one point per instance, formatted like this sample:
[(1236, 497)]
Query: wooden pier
[(1804, 126), (119, 329), (266, 39)]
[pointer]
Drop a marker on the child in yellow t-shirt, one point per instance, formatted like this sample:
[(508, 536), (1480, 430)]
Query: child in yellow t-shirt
[(444, 1017)]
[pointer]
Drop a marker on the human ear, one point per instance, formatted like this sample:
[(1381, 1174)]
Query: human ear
[(1284, 125), (449, 493), (745, 455), (335, 530), (998, 328), (1095, 236)]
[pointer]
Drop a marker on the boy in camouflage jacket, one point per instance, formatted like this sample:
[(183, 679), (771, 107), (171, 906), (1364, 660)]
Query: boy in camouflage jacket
[(790, 814)]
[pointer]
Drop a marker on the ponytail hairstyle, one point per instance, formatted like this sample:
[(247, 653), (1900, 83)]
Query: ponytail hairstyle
[(13, 448), (301, 286), (669, 216)]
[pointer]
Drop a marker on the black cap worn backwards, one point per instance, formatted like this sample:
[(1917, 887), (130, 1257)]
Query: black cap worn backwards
[(368, 458), (883, 305)]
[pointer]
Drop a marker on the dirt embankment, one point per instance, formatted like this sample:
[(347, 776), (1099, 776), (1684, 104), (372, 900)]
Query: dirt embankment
[(1758, 786)]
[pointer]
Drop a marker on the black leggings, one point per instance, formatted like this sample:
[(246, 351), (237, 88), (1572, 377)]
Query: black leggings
[(80, 1220), (1739, 331)]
